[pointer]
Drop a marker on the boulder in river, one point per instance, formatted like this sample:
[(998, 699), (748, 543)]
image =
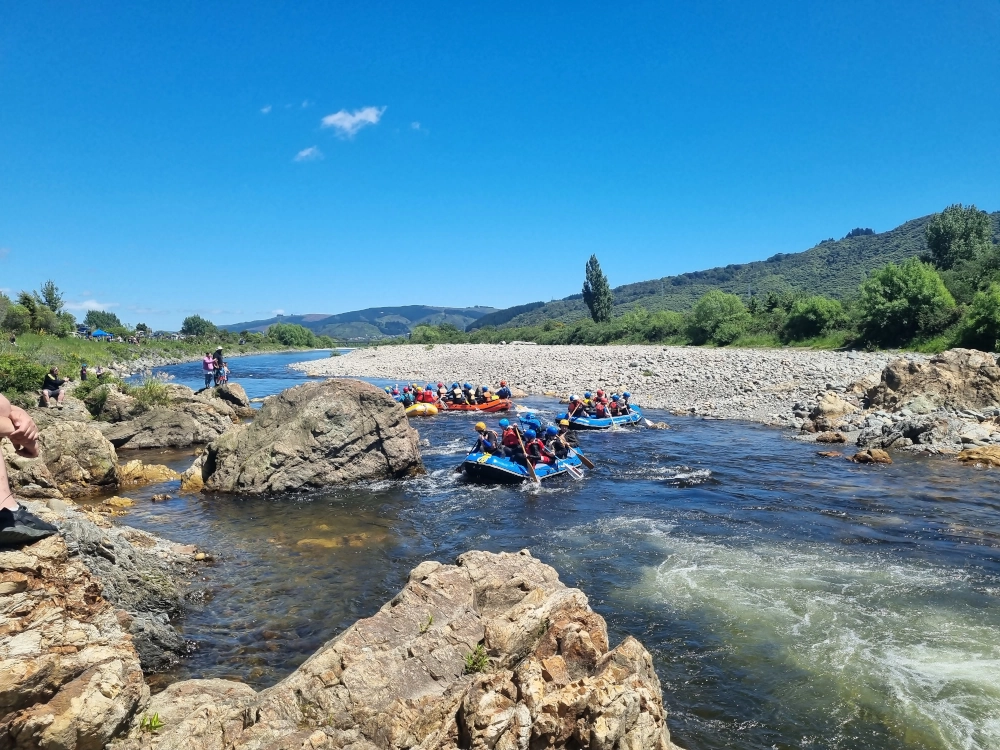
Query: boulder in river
[(178, 426), (314, 435), (957, 378), (494, 652), (871, 456), (988, 455)]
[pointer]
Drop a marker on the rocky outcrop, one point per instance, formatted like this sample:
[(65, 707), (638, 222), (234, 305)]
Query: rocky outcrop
[(234, 395), (108, 403), (69, 675), (29, 477), (175, 427), (957, 378), (79, 458), (981, 456), (315, 435), (135, 472), (871, 456), (494, 652)]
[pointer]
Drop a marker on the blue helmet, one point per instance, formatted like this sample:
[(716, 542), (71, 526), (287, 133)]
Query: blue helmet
[(587, 394), (530, 434), (429, 387), (564, 415), (573, 397), (551, 430), (614, 397), (505, 423), (627, 394), (466, 386), (454, 385)]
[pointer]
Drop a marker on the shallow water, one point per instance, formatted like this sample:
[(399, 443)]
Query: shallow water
[(789, 600)]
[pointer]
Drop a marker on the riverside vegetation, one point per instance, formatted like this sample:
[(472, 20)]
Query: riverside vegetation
[(44, 338), (947, 297)]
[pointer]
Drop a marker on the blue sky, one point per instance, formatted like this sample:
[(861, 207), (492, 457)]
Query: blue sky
[(234, 159)]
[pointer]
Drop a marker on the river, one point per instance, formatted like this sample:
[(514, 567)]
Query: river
[(789, 600)]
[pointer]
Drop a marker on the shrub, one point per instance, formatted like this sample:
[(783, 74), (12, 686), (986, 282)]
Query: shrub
[(291, 334), (17, 319), (664, 324), (900, 303), (150, 393), (719, 318), (19, 374), (981, 326), (812, 317), (477, 660)]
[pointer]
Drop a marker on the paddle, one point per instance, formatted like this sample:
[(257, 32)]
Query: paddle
[(461, 466), (527, 460), (586, 461)]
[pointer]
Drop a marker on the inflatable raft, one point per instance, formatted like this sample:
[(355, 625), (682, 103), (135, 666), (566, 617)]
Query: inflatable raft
[(501, 404), (421, 410), (490, 469), (606, 423)]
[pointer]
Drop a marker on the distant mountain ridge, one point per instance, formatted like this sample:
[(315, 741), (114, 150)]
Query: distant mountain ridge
[(371, 323), (834, 268)]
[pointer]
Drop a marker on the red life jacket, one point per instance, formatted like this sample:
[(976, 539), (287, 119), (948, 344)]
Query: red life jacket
[(601, 410), (510, 438), (573, 408), (536, 449)]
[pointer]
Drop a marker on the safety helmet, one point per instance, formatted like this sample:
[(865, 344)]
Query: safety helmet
[(486, 389), (551, 430), (505, 423), (600, 392), (480, 426), (573, 397), (530, 434), (614, 397), (440, 385), (406, 389), (587, 394), (429, 386), (466, 386), (418, 389), (454, 385), (387, 388), (564, 422), (503, 382), (626, 395)]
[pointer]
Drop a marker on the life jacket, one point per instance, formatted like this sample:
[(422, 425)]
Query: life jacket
[(504, 392), (429, 397), (510, 438), (536, 449), (574, 408), (457, 397), (488, 440), (600, 410), (614, 409)]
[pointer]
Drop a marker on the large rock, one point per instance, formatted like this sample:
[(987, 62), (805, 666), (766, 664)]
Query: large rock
[(981, 456), (400, 679), (29, 477), (79, 457), (108, 403), (234, 395), (957, 378), (69, 675), (315, 435), (178, 426)]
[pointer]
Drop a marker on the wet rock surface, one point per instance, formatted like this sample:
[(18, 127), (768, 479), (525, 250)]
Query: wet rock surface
[(402, 678), (314, 435), (79, 458)]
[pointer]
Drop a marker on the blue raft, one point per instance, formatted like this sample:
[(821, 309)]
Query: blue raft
[(490, 469), (606, 423)]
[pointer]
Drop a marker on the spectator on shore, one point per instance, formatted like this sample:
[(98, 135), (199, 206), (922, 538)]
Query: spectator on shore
[(13, 339), (99, 372), (84, 374), (208, 368), (17, 526), (53, 385)]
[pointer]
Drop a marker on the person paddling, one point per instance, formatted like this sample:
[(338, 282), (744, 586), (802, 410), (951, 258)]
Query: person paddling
[(511, 440), (576, 407), (536, 450), (555, 441), (488, 441), (503, 391)]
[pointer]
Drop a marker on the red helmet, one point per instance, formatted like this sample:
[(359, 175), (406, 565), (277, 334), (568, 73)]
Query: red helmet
[(406, 389), (440, 385), (599, 393), (503, 382), (604, 400)]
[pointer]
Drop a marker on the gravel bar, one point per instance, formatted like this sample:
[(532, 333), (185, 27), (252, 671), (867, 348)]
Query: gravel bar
[(760, 385)]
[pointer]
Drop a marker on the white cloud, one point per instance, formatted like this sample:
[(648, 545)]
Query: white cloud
[(349, 123), (90, 304), (265, 110), (309, 154)]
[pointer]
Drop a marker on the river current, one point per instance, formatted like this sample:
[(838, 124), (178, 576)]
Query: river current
[(789, 600)]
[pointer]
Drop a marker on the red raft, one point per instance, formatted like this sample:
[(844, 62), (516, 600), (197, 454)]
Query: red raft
[(501, 404)]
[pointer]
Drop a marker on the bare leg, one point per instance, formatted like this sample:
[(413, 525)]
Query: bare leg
[(7, 500)]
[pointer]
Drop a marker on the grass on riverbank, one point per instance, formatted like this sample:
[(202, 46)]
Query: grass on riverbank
[(22, 366)]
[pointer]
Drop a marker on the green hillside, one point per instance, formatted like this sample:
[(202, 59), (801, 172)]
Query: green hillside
[(832, 268), (372, 323)]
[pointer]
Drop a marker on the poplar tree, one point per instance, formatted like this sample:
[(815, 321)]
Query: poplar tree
[(597, 292)]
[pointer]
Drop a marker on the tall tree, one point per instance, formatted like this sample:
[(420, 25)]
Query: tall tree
[(50, 296), (959, 233), (597, 292), (195, 325), (101, 319)]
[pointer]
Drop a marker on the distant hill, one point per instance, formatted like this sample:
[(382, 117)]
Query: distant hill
[(833, 268), (373, 323)]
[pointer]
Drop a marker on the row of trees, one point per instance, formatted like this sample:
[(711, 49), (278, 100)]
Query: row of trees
[(949, 297)]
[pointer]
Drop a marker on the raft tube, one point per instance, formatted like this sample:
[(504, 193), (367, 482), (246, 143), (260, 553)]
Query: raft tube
[(605, 423), (489, 469), (501, 404), (421, 410)]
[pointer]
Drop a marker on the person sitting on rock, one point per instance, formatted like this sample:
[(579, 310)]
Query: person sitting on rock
[(53, 385), (17, 525), (488, 441), (503, 391)]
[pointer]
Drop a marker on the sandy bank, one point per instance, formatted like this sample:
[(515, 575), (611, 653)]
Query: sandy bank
[(755, 384)]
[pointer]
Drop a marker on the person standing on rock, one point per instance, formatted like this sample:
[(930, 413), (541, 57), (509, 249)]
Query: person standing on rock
[(218, 364), (208, 368), (17, 526)]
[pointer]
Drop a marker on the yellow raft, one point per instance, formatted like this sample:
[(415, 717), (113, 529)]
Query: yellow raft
[(421, 410)]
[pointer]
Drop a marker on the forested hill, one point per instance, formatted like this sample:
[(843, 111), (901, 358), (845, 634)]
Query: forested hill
[(375, 322), (832, 268)]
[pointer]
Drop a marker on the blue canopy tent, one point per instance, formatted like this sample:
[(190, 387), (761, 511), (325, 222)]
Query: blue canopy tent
[(99, 334)]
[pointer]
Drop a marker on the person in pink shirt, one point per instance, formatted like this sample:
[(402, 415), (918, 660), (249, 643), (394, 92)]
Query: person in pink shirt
[(208, 368)]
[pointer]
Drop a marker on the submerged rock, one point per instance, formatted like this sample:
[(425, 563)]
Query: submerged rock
[(494, 652), (312, 436), (871, 456)]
